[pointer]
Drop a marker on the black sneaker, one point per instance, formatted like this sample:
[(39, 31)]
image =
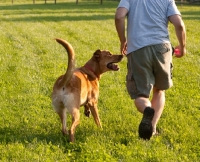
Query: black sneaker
[(145, 127)]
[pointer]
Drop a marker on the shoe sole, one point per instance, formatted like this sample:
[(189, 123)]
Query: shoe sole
[(145, 127)]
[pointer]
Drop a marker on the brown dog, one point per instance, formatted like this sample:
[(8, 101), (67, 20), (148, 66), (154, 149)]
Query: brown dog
[(80, 86)]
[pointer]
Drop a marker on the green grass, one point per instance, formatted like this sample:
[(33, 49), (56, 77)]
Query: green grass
[(31, 61)]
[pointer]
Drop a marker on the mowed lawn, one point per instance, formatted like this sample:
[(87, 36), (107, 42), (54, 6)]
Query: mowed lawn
[(31, 60)]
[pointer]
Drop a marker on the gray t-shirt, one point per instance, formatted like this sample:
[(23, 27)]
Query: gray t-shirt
[(147, 22)]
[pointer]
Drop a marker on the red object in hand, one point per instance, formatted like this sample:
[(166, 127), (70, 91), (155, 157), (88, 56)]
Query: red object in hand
[(177, 52)]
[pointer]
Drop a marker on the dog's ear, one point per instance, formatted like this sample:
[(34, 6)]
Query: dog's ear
[(96, 55)]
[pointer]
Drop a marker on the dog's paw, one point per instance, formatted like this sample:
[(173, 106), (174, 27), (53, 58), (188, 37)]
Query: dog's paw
[(65, 132), (87, 113)]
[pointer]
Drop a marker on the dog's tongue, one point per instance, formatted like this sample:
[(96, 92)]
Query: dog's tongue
[(115, 67)]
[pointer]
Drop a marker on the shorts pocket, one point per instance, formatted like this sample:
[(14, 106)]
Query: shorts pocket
[(171, 70), (162, 48), (130, 85)]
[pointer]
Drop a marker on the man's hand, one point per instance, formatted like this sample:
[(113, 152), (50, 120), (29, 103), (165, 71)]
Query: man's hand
[(179, 52), (123, 48)]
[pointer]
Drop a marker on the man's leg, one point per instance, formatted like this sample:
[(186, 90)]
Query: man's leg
[(141, 103), (158, 103), (145, 129)]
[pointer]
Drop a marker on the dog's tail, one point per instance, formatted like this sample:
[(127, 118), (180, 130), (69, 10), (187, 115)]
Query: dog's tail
[(71, 62)]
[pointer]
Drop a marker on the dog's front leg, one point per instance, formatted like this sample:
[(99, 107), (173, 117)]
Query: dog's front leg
[(75, 121), (95, 114)]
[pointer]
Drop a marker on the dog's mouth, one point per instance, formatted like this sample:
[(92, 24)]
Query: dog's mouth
[(113, 66)]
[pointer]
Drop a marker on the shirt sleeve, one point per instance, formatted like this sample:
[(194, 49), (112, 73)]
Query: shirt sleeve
[(125, 4), (172, 9)]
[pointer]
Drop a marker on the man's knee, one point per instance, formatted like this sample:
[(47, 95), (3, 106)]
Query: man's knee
[(156, 90)]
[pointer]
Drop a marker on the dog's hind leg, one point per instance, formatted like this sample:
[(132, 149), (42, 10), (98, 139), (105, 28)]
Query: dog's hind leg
[(75, 121), (95, 114), (87, 110), (62, 115)]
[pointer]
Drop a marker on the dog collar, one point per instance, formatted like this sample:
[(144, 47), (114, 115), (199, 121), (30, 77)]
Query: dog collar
[(90, 69)]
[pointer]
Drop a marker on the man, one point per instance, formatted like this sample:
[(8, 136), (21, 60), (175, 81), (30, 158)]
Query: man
[(149, 54)]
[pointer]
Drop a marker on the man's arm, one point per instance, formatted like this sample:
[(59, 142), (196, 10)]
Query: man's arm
[(120, 27), (179, 26)]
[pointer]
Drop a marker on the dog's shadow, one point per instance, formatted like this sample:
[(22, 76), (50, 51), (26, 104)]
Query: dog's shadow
[(27, 135)]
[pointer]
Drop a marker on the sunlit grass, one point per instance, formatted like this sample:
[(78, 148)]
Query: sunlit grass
[(31, 61)]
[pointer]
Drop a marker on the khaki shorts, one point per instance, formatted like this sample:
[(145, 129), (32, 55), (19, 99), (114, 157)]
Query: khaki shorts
[(149, 67)]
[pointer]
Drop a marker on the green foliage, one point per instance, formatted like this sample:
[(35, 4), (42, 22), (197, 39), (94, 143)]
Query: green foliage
[(31, 61)]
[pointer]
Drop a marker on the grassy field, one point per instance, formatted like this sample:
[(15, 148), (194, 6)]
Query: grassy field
[(31, 60)]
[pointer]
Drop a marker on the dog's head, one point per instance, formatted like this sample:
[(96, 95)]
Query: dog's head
[(106, 60)]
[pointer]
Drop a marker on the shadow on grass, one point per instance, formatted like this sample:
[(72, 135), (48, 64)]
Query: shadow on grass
[(50, 12), (28, 135), (34, 12), (62, 18), (191, 15)]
